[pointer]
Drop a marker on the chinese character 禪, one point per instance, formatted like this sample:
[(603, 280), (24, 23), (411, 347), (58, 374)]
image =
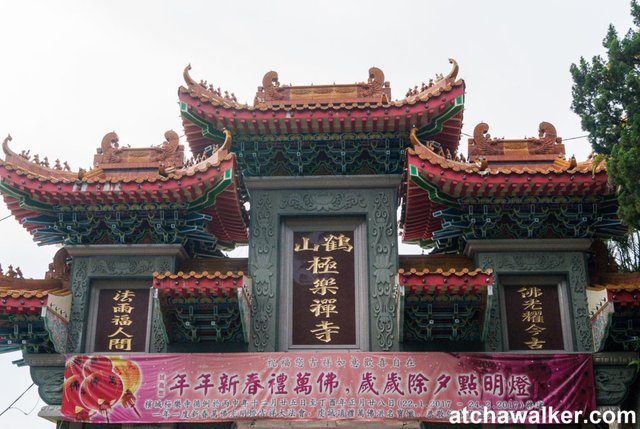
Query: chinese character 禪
[(323, 306)]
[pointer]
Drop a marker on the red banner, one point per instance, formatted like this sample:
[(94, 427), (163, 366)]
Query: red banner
[(320, 386)]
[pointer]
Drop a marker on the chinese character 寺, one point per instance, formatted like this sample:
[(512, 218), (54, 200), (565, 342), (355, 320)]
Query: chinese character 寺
[(324, 331)]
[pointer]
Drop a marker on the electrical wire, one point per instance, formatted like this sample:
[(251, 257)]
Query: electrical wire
[(17, 399), (24, 412), (6, 217)]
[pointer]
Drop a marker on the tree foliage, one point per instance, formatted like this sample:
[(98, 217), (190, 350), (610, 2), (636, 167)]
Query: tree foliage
[(606, 96)]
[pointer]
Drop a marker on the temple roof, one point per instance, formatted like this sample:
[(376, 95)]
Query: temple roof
[(435, 109), (132, 181), (437, 182)]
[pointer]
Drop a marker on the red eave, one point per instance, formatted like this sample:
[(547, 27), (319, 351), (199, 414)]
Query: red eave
[(197, 285), (445, 282)]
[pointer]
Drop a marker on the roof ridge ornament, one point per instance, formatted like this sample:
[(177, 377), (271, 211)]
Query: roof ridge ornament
[(5, 145), (547, 146), (187, 78), (453, 74)]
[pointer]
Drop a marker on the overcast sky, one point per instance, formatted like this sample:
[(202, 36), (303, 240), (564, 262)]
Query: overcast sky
[(73, 71)]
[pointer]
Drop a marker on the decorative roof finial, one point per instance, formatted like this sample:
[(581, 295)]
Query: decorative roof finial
[(5, 145), (187, 77), (454, 71)]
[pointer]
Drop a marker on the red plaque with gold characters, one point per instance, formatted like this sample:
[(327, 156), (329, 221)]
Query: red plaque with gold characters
[(121, 324), (533, 317), (324, 302)]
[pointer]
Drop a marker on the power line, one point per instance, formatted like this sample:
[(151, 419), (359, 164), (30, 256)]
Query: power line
[(30, 411), (6, 217), (17, 399)]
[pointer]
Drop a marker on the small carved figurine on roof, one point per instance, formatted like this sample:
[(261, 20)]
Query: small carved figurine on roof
[(111, 155), (546, 147)]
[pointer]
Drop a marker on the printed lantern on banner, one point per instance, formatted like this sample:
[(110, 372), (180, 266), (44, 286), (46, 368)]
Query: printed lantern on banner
[(129, 372), (71, 403), (96, 363), (100, 391), (96, 384)]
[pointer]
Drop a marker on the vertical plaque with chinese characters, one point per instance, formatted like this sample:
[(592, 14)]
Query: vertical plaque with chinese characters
[(323, 296), (121, 324), (533, 317)]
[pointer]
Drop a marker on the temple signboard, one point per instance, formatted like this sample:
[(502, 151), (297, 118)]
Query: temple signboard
[(534, 321), (323, 295), (121, 324)]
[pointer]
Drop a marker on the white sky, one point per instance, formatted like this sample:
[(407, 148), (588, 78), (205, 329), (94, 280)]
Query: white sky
[(73, 71)]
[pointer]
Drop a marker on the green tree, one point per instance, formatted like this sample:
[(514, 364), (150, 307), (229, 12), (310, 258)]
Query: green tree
[(606, 96)]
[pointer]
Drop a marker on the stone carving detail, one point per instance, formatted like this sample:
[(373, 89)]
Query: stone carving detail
[(383, 247), (263, 266), (323, 201), (578, 282), (494, 341), (530, 262), (121, 266), (79, 300), (49, 380), (159, 337), (612, 383), (84, 268), (572, 265)]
